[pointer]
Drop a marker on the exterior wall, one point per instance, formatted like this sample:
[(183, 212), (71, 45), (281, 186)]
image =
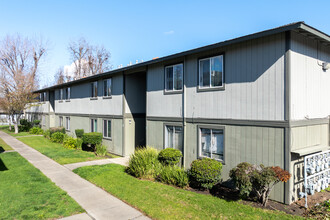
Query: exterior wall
[(257, 145), (81, 102), (310, 92), (78, 122), (39, 107)]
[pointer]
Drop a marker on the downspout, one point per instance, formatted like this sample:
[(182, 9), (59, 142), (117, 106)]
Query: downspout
[(184, 111)]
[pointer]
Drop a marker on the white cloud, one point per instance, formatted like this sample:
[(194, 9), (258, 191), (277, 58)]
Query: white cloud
[(169, 32)]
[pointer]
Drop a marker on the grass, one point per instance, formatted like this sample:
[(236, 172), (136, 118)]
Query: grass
[(25, 193), (57, 152), (4, 146), (5, 128), (161, 201)]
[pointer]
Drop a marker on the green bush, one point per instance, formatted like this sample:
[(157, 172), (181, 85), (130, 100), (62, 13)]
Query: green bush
[(92, 139), (241, 177), (36, 130), (36, 123), (144, 163), (57, 137), (173, 175), (47, 134), (100, 150), (79, 133), (170, 156), (56, 129), (25, 125), (205, 173), (79, 143), (70, 143)]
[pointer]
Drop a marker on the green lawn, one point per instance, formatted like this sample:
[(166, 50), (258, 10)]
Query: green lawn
[(25, 193), (4, 146), (5, 128), (161, 201), (56, 151)]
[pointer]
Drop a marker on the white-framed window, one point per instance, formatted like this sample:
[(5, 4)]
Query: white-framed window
[(211, 72), (107, 85), (174, 77), (67, 93), (107, 128), (94, 89), (67, 123), (211, 143), (61, 121), (174, 137), (61, 94), (93, 125)]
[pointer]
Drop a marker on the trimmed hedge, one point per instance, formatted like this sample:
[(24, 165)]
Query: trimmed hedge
[(205, 173), (170, 156), (57, 137), (36, 130), (79, 133), (56, 129), (24, 125), (92, 138), (70, 143), (173, 175), (36, 123)]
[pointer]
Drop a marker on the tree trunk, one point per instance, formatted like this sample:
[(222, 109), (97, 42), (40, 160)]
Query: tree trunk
[(16, 128), (9, 121)]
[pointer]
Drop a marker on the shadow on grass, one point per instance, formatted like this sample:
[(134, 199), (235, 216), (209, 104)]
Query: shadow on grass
[(1, 150), (2, 166)]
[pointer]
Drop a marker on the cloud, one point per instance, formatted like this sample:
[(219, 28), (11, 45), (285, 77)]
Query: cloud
[(169, 32)]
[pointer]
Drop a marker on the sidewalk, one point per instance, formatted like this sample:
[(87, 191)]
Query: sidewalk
[(97, 203), (120, 160)]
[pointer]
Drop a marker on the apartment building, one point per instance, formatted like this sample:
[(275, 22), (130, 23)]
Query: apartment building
[(260, 98)]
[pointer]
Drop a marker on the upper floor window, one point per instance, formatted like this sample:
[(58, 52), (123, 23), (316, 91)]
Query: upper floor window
[(61, 94), (67, 93), (41, 97), (94, 89), (174, 77), (211, 72), (211, 143), (45, 96), (107, 87)]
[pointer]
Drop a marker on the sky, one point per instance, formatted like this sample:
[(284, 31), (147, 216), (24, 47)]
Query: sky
[(142, 30)]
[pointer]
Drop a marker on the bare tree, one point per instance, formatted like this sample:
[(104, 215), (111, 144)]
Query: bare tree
[(19, 61), (88, 59), (59, 76)]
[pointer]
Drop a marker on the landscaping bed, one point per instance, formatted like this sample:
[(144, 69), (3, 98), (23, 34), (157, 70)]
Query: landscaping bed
[(25, 193)]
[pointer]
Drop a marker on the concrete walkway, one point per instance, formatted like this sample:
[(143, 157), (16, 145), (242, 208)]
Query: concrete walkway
[(97, 203), (120, 160)]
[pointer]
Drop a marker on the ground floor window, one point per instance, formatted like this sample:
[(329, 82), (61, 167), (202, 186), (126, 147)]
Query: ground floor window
[(61, 121), (173, 137), (67, 124), (107, 128), (211, 143), (93, 125)]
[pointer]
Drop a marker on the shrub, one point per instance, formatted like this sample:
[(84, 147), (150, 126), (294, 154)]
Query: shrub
[(79, 133), (79, 143), (70, 143), (100, 150), (36, 122), (56, 129), (173, 175), (257, 180), (57, 137), (36, 130), (144, 163), (47, 134), (92, 139), (205, 173), (170, 156), (25, 125)]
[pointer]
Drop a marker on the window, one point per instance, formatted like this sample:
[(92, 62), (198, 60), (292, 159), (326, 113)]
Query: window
[(41, 97), (93, 125), (94, 89), (173, 137), (61, 94), (61, 121), (211, 72), (67, 124), (107, 128), (107, 87), (45, 96), (211, 143), (67, 93), (173, 77)]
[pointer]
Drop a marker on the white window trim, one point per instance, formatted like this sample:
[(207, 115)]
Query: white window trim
[(166, 134), (200, 142), (165, 77), (68, 93), (222, 75), (109, 136)]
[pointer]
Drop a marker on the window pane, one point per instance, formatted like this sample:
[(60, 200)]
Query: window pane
[(169, 137), (92, 90), (178, 72), (95, 89), (217, 144), (109, 128), (95, 125), (105, 129), (205, 142), (204, 73), (69, 93), (178, 139), (109, 87), (105, 88), (169, 78), (216, 68)]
